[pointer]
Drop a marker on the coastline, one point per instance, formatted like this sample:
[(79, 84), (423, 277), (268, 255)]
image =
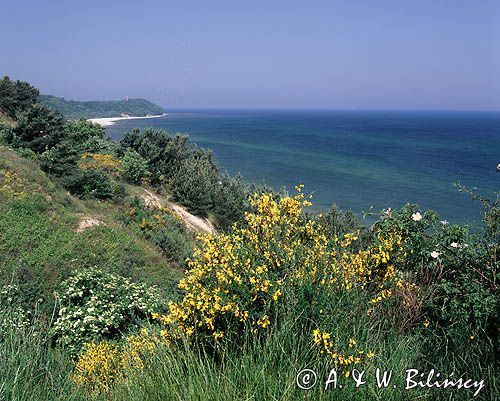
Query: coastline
[(107, 121)]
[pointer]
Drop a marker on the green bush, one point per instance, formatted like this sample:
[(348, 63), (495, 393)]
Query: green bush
[(134, 167), (163, 229), (39, 129), (194, 182), (229, 200), (16, 96), (12, 315), (80, 131), (163, 153), (6, 134), (96, 305), (89, 184)]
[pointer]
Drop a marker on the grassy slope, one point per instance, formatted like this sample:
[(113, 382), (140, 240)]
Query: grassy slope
[(39, 245)]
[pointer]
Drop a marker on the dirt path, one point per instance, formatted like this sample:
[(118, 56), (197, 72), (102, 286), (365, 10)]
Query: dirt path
[(191, 221)]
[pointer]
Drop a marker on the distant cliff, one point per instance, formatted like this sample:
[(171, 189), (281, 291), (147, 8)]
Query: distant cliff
[(72, 109)]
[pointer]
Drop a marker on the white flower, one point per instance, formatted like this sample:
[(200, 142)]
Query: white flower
[(435, 254), (444, 222), (416, 216), (455, 245)]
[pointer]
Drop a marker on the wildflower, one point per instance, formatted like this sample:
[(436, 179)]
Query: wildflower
[(455, 245), (435, 254), (444, 222), (352, 343), (426, 323), (416, 216)]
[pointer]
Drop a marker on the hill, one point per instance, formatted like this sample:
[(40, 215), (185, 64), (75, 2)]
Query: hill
[(47, 234), (72, 109)]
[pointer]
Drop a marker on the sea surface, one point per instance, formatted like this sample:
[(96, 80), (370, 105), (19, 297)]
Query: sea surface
[(358, 160)]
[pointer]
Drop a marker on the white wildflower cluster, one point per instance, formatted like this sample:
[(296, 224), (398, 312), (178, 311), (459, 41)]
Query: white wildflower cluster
[(95, 304), (12, 315)]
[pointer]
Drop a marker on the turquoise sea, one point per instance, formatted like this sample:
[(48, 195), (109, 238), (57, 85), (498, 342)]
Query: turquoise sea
[(355, 159)]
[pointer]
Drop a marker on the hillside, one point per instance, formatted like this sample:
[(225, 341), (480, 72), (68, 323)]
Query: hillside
[(46, 234), (72, 109)]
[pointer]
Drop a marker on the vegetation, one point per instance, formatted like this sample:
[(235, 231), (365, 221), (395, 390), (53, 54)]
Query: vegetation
[(74, 110), (106, 295)]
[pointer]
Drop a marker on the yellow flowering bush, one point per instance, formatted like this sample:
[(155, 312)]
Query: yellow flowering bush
[(104, 162), (278, 258), (102, 365)]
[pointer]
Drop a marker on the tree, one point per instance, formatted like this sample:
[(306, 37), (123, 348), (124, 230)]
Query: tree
[(193, 184), (163, 153), (81, 131), (229, 200), (134, 167), (16, 97), (39, 129)]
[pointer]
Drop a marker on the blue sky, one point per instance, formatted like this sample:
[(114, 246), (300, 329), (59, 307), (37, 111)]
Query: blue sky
[(371, 54)]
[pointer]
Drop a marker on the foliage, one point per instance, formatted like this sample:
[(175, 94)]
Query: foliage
[(96, 305), (134, 167), (458, 272), (12, 315), (164, 229), (103, 365), (229, 200), (194, 182), (278, 258), (80, 131), (101, 162), (39, 129), (191, 172), (72, 109), (163, 153), (6, 134), (16, 97)]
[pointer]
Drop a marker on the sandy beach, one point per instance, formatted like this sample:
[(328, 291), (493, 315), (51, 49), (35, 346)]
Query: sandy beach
[(105, 122)]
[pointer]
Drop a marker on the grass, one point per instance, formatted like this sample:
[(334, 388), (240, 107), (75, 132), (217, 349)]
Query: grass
[(39, 244), (260, 368), (39, 247)]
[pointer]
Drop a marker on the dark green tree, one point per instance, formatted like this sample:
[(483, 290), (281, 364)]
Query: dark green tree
[(194, 182), (39, 129)]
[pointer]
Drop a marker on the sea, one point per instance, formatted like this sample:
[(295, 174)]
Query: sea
[(364, 161)]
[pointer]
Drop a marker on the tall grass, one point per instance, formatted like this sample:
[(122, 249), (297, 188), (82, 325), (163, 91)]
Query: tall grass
[(30, 368)]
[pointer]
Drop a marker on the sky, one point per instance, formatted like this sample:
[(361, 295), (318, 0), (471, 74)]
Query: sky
[(353, 54)]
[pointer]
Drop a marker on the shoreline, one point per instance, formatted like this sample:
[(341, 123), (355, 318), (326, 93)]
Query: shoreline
[(107, 121)]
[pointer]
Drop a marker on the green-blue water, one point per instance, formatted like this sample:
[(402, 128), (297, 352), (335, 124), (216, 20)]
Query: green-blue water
[(355, 159)]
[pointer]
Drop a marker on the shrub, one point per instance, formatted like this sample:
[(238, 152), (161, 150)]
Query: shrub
[(95, 305), (12, 315), (194, 183), (163, 153), (90, 184), (81, 131), (6, 134), (39, 129), (61, 160), (16, 96), (134, 167), (229, 200), (164, 230), (101, 162), (280, 263)]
